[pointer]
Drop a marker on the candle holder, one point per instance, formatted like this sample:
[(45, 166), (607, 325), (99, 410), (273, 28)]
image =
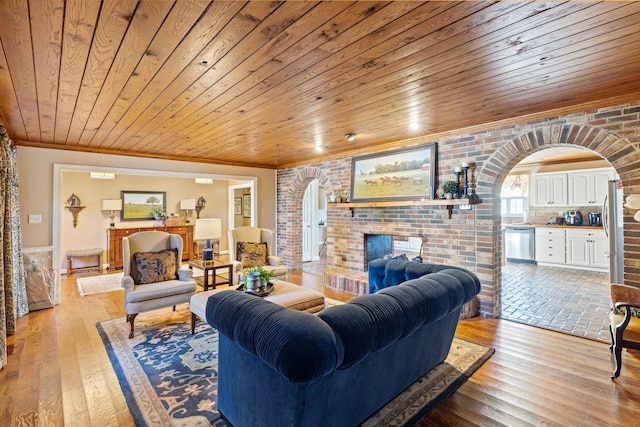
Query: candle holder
[(458, 173), (465, 194)]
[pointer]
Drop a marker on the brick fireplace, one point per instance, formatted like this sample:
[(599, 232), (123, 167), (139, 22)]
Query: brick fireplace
[(448, 240)]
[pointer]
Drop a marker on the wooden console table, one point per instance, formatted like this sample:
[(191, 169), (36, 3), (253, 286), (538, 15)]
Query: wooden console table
[(115, 236)]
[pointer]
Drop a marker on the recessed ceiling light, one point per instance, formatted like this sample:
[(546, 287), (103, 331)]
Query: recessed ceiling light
[(414, 126), (350, 136)]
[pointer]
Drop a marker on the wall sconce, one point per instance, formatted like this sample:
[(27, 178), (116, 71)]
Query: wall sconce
[(74, 206), (200, 205), (207, 229), (113, 206), (187, 205)]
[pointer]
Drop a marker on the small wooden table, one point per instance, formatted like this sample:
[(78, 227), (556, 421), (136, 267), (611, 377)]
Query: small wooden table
[(212, 266)]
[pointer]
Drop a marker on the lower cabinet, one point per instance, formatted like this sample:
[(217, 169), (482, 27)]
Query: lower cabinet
[(550, 245), (115, 236), (572, 248), (587, 248)]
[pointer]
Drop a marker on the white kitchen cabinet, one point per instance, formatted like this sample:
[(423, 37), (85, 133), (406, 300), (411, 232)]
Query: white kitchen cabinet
[(589, 187), (550, 189), (550, 245), (587, 248)]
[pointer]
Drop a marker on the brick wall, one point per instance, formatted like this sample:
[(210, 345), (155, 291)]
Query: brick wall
[(471, 239)]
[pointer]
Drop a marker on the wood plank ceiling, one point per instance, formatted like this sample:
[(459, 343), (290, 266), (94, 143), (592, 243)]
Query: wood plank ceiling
[(263, 83)]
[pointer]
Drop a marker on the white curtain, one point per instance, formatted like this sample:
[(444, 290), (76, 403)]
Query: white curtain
[(13, 292)]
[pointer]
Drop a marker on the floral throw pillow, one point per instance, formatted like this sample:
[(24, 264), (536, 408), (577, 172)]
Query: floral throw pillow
[(151, 267), (251, 254)]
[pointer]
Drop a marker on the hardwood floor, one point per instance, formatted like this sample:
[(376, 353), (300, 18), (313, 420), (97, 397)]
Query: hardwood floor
[(59, 373)]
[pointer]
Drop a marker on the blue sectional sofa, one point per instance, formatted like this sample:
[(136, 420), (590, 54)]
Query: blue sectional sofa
[(282, 367)]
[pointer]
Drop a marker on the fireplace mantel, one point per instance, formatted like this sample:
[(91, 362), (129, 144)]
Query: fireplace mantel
[(446, 203)]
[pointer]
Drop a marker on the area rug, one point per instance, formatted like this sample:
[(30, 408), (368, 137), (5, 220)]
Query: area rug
[(169, 377), (108, 283), (99, 284)]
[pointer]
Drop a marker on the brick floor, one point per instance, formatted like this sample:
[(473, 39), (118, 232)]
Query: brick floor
[(562, 299)]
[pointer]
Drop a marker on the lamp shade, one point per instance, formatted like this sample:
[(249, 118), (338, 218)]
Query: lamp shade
[(188, 204), (208, 228), (111, 205)]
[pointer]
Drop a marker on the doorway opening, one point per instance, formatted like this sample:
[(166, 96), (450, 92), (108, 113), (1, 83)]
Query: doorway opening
[(550, 291), (314, 228)]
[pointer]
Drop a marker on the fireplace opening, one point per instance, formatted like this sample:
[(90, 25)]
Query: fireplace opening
[(376, 246)]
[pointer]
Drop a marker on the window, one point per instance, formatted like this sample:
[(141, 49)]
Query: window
[(514, 194)]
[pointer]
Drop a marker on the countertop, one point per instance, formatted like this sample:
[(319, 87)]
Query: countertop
[(527, 225)]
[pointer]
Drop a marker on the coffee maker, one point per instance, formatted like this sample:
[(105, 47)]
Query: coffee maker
[(595, 219), (573, 218)]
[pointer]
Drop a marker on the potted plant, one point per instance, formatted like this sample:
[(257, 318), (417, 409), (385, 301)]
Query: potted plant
[(257, 277), (159, 213), (450, 188)]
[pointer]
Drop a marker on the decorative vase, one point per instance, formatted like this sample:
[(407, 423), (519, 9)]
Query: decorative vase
[(251, 281), (448, 196)]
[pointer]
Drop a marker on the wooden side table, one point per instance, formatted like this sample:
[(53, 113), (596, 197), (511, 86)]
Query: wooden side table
[(210, 269)]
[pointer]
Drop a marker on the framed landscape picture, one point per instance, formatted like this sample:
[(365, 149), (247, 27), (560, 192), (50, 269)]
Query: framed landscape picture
[(138, 205), (403, 174)]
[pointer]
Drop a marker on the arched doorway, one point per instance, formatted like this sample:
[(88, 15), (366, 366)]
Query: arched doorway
[(616, 150), (290, 235), (564, 284)]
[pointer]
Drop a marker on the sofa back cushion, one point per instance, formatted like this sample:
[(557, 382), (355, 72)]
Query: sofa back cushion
[(298, 345), (384, 273), (371, 322)]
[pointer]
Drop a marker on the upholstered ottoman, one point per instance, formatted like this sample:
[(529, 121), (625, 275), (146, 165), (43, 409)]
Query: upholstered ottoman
[(285, 294), (84, 260)]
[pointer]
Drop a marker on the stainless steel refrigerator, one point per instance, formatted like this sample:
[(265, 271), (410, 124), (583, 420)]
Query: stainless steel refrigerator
[(612, 221)]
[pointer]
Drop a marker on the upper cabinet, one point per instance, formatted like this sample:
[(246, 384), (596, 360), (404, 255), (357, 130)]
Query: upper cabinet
[(550, 189), (589, 187), (586, 187)]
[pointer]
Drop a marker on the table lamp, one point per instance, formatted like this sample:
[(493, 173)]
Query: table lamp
[(187, 205), (113, 206), (207, 229)]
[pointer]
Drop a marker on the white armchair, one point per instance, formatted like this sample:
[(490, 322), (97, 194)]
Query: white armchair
[(155, 280), (240, 236)]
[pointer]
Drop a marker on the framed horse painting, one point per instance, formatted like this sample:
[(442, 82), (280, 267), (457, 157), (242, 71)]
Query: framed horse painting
[(403, 174)]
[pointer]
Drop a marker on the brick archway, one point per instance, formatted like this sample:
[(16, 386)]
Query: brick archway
[(290, 213), (619, 152)]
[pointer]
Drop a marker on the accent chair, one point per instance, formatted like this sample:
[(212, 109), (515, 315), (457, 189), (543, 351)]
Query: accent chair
[(250, 246), (624, 328), (152, 275)]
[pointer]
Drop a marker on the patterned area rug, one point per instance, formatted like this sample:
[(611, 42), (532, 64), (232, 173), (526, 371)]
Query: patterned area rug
[(169, 377)]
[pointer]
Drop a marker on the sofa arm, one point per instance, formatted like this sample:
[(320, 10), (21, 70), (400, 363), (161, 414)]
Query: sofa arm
[(185, 275), (298, 345), (127, 283), (275, 260)]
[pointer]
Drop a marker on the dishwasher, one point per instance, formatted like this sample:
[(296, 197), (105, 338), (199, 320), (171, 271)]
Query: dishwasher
[(519, 244)]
